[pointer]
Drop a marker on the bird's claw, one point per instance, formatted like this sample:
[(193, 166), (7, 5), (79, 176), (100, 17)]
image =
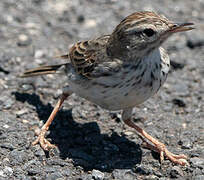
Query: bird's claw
[(163, 151), (44, 143)]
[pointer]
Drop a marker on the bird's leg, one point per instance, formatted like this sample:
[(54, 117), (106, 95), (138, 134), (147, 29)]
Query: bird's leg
[(45, 144), (157, 146)]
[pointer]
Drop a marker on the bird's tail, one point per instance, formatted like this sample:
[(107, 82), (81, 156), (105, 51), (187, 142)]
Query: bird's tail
[(52, 69)]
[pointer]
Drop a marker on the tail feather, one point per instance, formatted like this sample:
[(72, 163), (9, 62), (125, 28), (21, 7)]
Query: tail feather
[(45, 69), (65, 56), (42, 70)]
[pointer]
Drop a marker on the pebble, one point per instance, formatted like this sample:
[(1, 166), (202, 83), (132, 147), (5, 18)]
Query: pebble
[(186, 143), (6, 102), (128, 133), (39, 53), (21, 112), (34, 171), (179, 102), (27, 87), (66, 172), (143, 169), (97, 175), (195, 39), (2, 174), (6, 126), (175, 65), (40, 152), (90, 23), (4, 71), (50, 169), (197, 162), (8, 171), (18, 157), (176, 172), (151, 177), (23, 40), (80, 19)]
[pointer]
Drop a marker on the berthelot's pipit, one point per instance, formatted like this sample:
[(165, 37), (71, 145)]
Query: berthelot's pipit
[(119, 71)]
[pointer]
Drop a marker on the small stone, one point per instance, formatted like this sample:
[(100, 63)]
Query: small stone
[(195, 39), (66, 172), (142, 169), (128, 133), (18, 157), (6, 101), (197, 171), (27, 87), (90, 23), (176, 65), (21, 112), (176, 172), (151, 177), (8, 146), (197, 162), (33, 171), (80, 18), (97, 175), (49, 169), (4, 71), (179, 102), (6, 126), (57, 162), (39, 153), (185, 143), (39, 54), (2, 174), (8, 171), (23, 40), (115, 117)]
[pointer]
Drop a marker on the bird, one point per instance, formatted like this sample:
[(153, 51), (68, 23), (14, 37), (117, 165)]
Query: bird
[(118, 72)]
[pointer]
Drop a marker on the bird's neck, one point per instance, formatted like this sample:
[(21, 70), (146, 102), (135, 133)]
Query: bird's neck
[(127, 53), (127, 50)]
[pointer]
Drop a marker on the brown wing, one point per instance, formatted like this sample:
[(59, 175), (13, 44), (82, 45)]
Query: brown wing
[(86, 55)]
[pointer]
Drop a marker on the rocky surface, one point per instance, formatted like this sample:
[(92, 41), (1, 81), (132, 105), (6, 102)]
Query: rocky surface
[(93, 143)]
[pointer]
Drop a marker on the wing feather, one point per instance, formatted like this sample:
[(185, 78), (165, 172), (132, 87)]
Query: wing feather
[(86, 55)]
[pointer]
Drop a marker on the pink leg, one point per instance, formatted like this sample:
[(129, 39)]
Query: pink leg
[(45, 144), (158, 146)]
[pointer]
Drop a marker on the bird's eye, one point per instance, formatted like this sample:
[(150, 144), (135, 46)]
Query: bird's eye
[(149, 32)]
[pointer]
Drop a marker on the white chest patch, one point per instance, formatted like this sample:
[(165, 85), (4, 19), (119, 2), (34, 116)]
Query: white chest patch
[(132, 85)]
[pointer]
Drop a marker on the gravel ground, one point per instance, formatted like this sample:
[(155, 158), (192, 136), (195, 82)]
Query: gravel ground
[(94, 143)]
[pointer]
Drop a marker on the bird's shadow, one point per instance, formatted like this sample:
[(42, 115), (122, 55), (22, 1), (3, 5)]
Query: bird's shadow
[(84, 143)]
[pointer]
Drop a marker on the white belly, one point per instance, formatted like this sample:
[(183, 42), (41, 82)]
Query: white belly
[(127, 88), (124, 95)]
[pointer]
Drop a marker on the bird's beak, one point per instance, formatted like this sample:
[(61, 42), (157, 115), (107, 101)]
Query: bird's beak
[(180, 27)]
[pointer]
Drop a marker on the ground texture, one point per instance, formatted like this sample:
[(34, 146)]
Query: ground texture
[(93, 143)]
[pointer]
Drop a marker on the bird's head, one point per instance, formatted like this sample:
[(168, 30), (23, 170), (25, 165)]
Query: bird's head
[(142, 32)]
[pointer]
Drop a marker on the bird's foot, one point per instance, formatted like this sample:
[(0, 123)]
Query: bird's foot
[(44, 143), (163, 151)]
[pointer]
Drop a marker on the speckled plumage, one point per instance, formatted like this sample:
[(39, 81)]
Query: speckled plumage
[(118, 84), (119, 71)]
